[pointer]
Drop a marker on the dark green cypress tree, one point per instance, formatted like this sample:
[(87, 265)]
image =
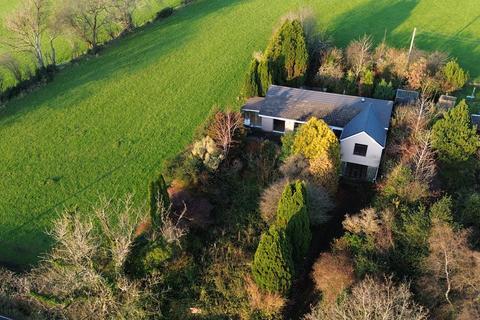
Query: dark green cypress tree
[(272, 266), (251, 86), (158, 199), (292, 215), (264, 76), (288, 53)]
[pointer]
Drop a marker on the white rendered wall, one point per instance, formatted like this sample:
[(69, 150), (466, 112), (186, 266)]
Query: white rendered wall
[(374, 151)]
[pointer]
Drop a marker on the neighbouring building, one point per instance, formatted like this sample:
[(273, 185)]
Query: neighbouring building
[(361, 124)]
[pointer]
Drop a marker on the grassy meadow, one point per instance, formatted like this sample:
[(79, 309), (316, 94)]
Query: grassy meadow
[(104, 126)]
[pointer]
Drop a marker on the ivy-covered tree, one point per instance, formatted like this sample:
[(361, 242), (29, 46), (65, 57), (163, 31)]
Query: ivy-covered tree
[(272, 266), (251, 84), (292, 214), (454, 77), (158, 200), (288, 54), (454, 137)]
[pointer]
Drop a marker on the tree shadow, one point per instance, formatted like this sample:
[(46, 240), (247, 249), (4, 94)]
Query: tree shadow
[(375, 18)]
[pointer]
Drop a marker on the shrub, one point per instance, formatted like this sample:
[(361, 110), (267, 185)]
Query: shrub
[(319, 203), (288, 54), (158, 200), (332, 274), (373, 300), (470, 214), (384, 90), (292, 215), (454, 77), (270, 199), (318, 199), (165, 13), (417, 73), (272, 266), (287, 145), (207, 151), (400, 186), (454, 137), (186, 169), (262, 156), (268, 303), (366, 81), (151, 257), (295, 167), (331, 72), (442, 210), (324, 171)]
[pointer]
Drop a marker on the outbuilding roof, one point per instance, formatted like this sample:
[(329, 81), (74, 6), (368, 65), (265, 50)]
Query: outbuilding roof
[(476, 120), (366, 121), (335, 109)]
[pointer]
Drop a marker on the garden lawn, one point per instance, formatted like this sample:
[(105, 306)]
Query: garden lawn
[(104, 126)]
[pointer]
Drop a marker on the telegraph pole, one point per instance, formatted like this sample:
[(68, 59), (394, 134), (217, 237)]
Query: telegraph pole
[(411, 44)]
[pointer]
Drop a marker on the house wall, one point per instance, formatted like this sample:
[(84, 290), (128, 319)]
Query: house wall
[(289, 125), (267, 124), (374, 151)]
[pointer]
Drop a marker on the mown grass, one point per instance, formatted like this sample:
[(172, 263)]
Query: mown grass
[(105, 124)]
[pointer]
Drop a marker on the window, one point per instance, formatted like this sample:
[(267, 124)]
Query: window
[(278, 125), (252, 119), (360, 150), (296, 126)]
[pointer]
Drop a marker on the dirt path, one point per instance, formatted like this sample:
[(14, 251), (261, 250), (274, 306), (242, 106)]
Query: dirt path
[(350, 199)]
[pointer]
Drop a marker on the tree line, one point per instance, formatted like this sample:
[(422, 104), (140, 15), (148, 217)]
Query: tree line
[(35, 28), (299, 56)]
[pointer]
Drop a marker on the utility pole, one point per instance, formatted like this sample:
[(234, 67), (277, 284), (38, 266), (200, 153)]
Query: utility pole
[(411, 44)]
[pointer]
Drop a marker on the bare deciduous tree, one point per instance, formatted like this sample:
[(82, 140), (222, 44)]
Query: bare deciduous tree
[(373, 300), (451, 265), (332, 274), (84, 270), (26, 27), (224, 129), (88, 19), (359, 54), (124, 11), (423, 159)]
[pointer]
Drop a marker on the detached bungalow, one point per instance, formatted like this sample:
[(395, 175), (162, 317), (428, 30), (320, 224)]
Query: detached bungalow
[(361, 124)]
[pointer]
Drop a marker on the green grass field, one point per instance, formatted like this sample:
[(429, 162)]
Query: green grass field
[(104, 125)]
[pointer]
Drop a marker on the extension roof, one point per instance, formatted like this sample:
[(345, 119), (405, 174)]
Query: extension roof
[(366, 121), (336, 110)]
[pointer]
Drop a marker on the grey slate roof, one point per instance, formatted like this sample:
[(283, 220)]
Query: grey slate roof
[(335, 109), (254, 104), (366, 121)]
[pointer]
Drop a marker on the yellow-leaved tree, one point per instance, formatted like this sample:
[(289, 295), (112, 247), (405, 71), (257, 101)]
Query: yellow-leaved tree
[(317, 142)]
